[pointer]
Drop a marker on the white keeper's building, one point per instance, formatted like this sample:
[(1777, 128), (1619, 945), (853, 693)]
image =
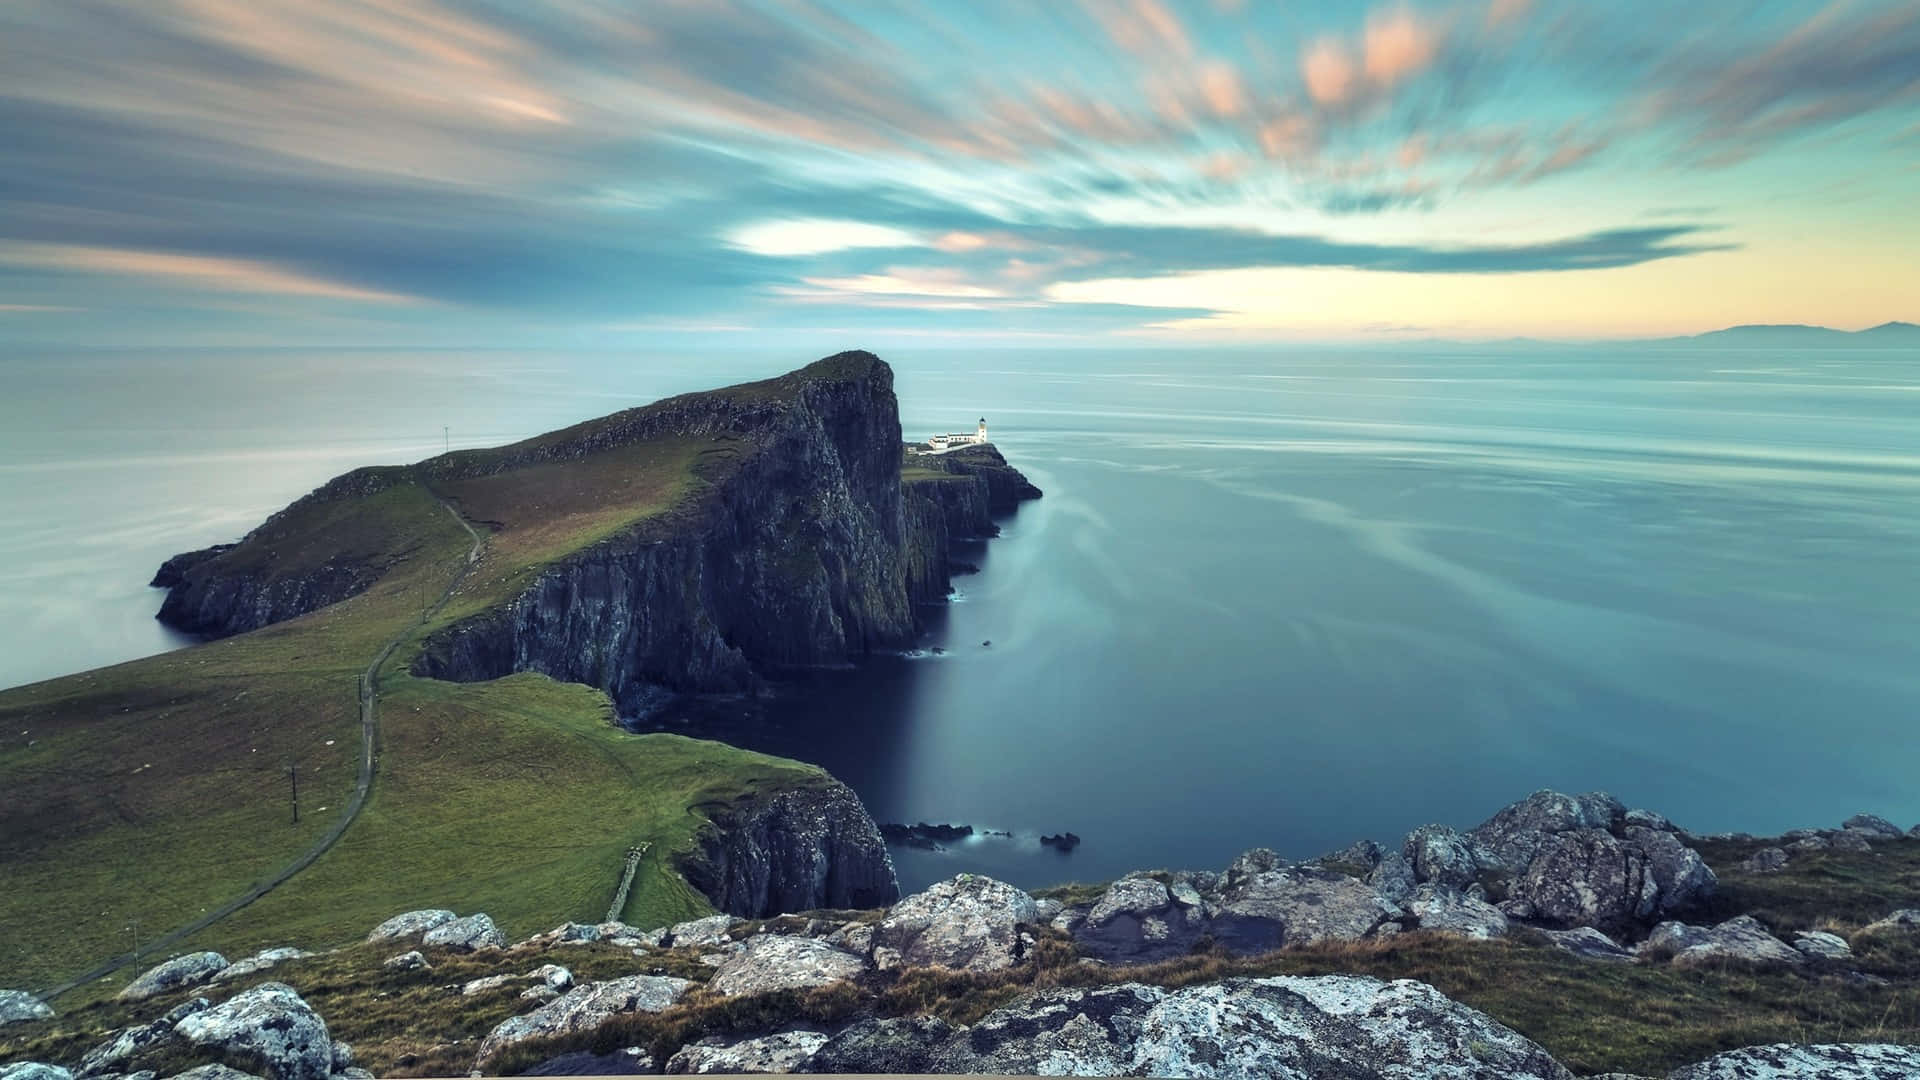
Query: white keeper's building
[(956, 439)]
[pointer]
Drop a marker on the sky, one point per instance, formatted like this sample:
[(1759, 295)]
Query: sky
[(1106, 172)]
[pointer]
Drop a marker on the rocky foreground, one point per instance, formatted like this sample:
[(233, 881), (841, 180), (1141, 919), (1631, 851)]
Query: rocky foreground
[(1156, 974)]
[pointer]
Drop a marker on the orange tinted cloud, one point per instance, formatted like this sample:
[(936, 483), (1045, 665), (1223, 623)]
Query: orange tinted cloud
[(1220, 85), (1397, 44), (1328, 71), (203, 271)]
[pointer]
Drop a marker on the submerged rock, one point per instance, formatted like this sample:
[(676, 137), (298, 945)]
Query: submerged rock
[(967, 923), (178, 973)]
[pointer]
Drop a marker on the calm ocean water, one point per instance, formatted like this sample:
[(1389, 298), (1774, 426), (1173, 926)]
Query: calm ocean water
[(1289, 598)]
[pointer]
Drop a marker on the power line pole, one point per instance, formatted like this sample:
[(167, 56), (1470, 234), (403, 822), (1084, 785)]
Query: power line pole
[(293, 780), (446, 439)]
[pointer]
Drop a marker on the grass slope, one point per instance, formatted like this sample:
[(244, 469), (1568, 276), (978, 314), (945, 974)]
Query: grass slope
[(136, 797)]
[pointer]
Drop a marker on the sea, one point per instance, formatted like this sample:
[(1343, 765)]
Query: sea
[(1290, 597)]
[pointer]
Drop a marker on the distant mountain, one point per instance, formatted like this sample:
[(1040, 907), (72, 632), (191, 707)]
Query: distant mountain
[(1759, 335)]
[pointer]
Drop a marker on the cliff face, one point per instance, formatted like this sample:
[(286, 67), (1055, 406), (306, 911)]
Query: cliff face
[(793, 851), (230, 589), (1006, 487), (805, 553)]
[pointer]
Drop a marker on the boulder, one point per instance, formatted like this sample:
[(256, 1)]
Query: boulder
[(1441, 855), (1248, 863), (1393, 877), (33, 1070), (584, 1008), (1588, 944), (486, 983), (1768, 860), (1914, 833), (782, 1052), (1905, 920), (214, 1072), (1809, 843), (539, 992), (1512, 837), (772, 962), (407, 961), (967, 923), (1449, 911), (1335, 1025), (571, 933), (466, 935), (126, 1044), (268, 1030), (1873, 825), (1139, 920), (1669, 939), (553, 975), (1851, 840), (1298, 906), (18, 1006), (178, 973), (712, 930), (1742, 939), (258, 962), (1649, 820), (1357, 858), (410, 923), (1798, 1061), (1821, 945)]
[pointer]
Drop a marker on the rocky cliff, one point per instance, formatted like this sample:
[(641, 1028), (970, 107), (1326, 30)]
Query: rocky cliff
[(793, 850), (805, 551)]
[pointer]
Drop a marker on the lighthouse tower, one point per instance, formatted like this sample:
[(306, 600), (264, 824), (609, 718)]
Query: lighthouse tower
[(982, 436)]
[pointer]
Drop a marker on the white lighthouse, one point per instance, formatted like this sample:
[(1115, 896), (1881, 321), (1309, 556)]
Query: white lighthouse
[(982, 437)]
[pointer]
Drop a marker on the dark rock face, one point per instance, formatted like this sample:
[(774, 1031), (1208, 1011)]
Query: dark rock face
[(1006, 487), (809, 552), (793, 851), (215, 593)]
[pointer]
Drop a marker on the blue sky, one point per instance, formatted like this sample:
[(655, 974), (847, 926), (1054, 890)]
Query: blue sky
[(401, 172)]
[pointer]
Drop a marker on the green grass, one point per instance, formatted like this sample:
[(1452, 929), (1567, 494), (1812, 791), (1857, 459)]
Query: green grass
[(141, 795)]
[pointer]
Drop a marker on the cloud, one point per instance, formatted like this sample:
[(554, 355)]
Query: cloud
[(1328, 71), (1398, 44), (815, 237), (225, 275)]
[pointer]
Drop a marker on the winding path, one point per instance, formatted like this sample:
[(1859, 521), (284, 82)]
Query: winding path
[(369, 736)]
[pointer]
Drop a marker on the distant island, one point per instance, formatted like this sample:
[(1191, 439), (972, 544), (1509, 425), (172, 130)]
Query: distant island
[(1888, 335)]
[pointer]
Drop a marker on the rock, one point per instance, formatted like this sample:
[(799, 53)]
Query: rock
[(552, 975), (630, 1061), (1393, 878), (1873, 825), (584, 1008), (772, 962), (410, 923), (342, 1056), (1138, 920), (1647, 819), (1337, 1025), (33, 1070), (126, 1044), (1586, 877), (407, 961), (18, 1006), (1914, 833), (697, 933), (1449, 911), (1298, 906), (1768, 860), (1672, 938), (1809, 843), (967, 923), (1247, 864), (1512, 837), (1850, 840), (1588, 943), (466, 935), (486, 983), (1798, 1061), (1046, 910), (268, 1029), (1906, 919), (1742, 939), (215, 1072), (541, 993), (571, 933), (258, 962), (854, 937), (782, 1052), (1440, 855), (1357, 858), (1804, 834), (1823, 946), (178, 973)]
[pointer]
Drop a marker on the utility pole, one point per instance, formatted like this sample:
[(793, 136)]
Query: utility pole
[(293, 780), (446, 439)]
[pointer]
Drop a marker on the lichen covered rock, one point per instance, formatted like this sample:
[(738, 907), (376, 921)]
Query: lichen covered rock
[(178, 973), (968, 923)]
